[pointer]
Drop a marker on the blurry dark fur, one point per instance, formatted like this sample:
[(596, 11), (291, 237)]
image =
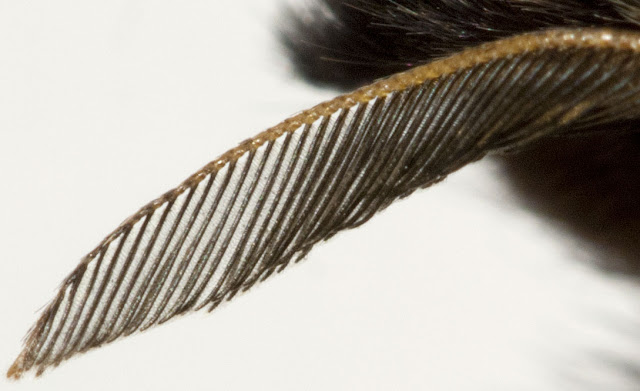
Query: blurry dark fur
[(347, 43), (591, 186)]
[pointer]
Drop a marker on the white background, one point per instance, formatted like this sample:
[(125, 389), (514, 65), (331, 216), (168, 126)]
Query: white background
[(106, 105)]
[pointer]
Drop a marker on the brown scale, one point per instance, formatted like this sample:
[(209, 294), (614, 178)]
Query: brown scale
[(589, 80)]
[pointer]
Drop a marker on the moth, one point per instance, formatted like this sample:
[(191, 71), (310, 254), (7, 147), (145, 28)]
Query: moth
[(519, 77)]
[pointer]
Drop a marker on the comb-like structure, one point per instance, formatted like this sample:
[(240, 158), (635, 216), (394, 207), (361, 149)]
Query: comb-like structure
[(264, 204)]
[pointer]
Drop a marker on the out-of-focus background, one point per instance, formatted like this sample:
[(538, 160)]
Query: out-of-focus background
[(106, 105)]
